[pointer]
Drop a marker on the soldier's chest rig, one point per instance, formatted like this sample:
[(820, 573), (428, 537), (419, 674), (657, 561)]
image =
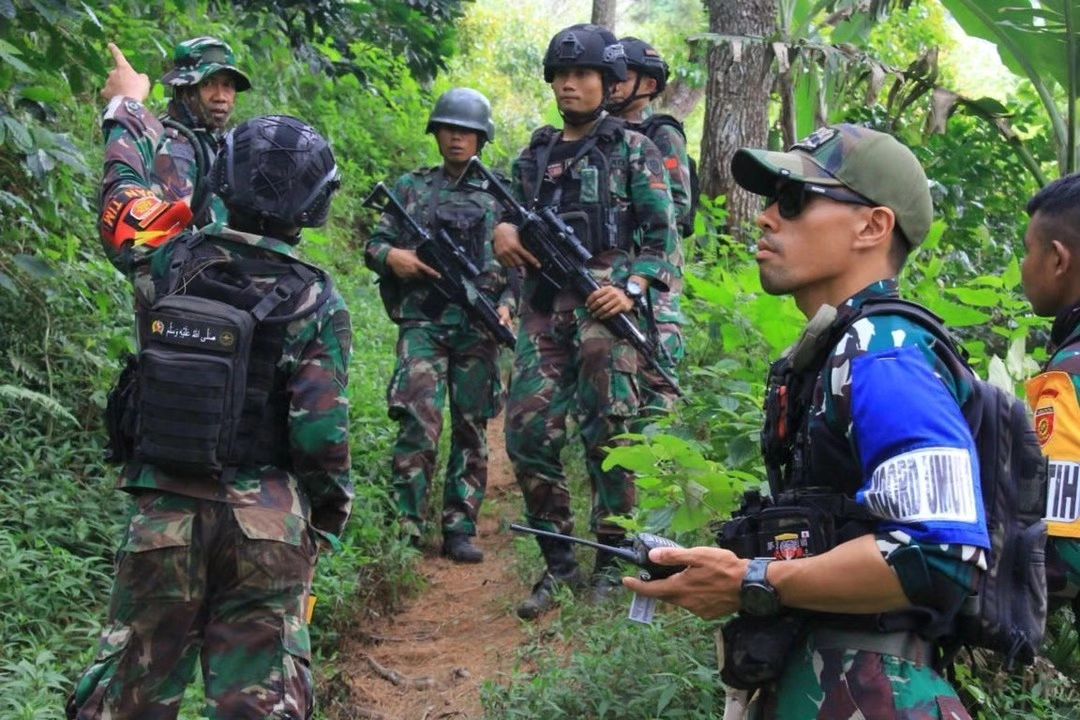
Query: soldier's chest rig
[(585, 182), (206, 395)]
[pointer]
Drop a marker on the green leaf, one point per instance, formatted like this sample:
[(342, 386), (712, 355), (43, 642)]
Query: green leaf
[(955, 314), (18, 134), (7, 283), (1010, 279), (34, 266), (21, 396), (979, 297), (9, 53)]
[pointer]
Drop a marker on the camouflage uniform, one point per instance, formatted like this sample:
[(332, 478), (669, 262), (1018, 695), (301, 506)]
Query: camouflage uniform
[(221, 568), (565, 360), (440, 351), (656, 397), (831, 684), (1054, 396), (134, 135)]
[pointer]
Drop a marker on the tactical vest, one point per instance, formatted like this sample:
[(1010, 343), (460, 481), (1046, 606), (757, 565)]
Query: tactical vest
[(209, 397), (602, 215)]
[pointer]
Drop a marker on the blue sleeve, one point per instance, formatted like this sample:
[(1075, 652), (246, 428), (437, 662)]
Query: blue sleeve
[(919, 464)]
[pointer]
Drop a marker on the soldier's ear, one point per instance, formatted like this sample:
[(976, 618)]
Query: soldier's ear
[(875, 228), (1063, 261)]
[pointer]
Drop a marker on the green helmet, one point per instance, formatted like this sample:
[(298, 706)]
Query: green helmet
[(466, 108), (201, 57)]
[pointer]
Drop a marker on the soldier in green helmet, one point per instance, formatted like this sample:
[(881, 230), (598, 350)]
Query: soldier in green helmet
[(181, 145), (442, 351)]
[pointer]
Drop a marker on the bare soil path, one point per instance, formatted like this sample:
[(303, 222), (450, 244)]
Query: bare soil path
[(429, 661)]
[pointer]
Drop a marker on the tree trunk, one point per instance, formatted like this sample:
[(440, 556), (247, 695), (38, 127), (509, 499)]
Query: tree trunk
[(736, 100), (603, 13)]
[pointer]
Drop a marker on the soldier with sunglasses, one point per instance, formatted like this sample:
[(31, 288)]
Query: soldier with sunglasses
[(864, 433)]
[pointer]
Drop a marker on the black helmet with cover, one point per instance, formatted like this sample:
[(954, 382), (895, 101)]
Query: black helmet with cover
[(466, 108), (275, 174), (645, 60), (590, 46)]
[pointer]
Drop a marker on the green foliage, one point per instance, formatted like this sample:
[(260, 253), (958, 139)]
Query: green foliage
[(628, 671)]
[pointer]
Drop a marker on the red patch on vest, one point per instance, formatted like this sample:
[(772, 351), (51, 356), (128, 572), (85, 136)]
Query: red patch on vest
[(672, 163), (1044, 424)]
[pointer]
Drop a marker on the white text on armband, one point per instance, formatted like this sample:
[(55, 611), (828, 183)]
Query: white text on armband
[(927, 485), (1063, 492)]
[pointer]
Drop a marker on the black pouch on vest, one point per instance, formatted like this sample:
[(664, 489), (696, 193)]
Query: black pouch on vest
[(120, 410), (192, 378), (782, 533), (755, 649)]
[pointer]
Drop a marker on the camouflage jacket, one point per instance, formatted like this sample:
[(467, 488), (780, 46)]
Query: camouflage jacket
[(469, 213), (1054, 397), (138, 145), (889, 450), (314, 359), (632, 174), (672, 147)]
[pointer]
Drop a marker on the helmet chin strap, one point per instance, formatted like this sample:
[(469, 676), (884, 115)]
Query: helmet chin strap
[(617, 108), (577, 119)]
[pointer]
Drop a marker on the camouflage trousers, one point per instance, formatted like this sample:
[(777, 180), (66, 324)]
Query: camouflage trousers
[(198, 580), (843, 684), (567, 362), (657, 399), (434, 360)]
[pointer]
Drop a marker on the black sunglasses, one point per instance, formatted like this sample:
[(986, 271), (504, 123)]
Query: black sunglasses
[(791, 198)]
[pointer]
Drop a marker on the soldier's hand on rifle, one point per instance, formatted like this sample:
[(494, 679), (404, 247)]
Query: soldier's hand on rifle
[(123, 81), (609, 300), (407, 266), (505, 318), (508, 248), (708, 587)]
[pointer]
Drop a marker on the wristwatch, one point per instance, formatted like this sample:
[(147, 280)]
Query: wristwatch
[(757, 596), (634, 289)]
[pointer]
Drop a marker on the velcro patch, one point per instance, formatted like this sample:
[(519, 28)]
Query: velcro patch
[(927, 485), (192, 333)]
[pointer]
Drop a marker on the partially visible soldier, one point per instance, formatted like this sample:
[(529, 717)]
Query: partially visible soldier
[(631, 99), (1051, 277), (180, 147), (884, 482), (442, 350), (609, 184), (233, 424)]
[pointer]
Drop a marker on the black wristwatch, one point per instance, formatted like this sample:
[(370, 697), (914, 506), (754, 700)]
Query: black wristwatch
[(758, 597), (634, 289)]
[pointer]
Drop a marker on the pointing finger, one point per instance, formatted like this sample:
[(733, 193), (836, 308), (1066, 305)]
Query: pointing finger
[(118, 56)]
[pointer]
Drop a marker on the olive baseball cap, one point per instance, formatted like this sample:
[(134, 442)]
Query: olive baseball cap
[(201, 57), (874, 164)]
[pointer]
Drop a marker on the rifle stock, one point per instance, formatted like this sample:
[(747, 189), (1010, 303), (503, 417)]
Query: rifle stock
[(451, 261)]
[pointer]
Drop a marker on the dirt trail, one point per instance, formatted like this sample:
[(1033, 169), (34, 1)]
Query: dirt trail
[(459, 632)]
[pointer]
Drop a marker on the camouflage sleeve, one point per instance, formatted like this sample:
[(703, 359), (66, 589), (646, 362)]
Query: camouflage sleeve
[(495, 276), (517, 188), (387, 232), (653, 210), (319, 418), (672, 147), (937, 555)]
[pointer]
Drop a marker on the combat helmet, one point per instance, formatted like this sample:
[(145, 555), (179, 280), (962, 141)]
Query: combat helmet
[(463, 107), (643, 57), (275, 171), (201, 57), (589, 46)]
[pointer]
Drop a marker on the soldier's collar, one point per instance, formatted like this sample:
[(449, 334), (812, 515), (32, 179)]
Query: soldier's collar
[(1065, 327)]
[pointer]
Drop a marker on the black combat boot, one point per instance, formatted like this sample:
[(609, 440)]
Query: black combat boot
[(562, 569), (606, 577), (459, 548)]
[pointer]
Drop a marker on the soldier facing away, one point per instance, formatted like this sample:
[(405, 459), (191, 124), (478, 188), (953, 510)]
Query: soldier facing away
[(441, 350), (1051, 277), (631, 100), (178, 149), (844, 208), (233, 422), (609, 184)]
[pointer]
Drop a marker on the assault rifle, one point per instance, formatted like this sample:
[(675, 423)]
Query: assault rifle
[(563, 264), (458, 271)]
